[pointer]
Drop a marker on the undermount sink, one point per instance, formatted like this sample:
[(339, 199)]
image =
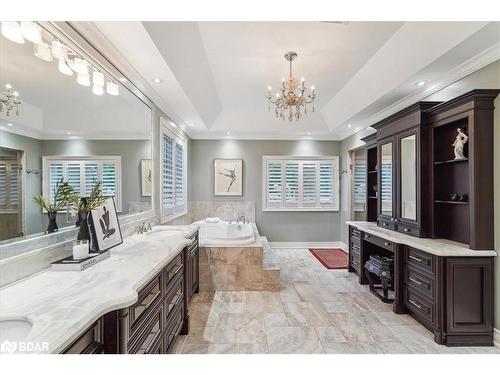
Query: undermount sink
[(166, 231), (14, 329)]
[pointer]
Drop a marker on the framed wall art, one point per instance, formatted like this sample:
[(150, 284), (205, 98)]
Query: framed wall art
[(228, 177)]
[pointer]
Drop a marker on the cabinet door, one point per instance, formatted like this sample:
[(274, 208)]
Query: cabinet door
[(408, 179), (195, 270), (386, 193)]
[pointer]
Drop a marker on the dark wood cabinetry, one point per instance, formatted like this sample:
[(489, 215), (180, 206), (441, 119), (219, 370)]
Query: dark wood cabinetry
[(450, 296), (371, 177), (403, 173), (160, 314)]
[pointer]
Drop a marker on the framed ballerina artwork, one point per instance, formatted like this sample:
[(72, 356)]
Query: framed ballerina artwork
[(228, 177)]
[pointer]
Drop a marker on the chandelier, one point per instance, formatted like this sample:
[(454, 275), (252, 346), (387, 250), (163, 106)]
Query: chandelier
[(291, 101), (48, 48), (9, 100)]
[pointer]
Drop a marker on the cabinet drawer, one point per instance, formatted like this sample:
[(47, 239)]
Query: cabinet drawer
[(174, 296), (419, 305), (420, 260), (148, 297), (173, 327), (90, 342), (145, 342), (173, 269), (355, 233), (409, 230), (355, 261), (420, 282), (356, 242), (385, 223), (388, 245)]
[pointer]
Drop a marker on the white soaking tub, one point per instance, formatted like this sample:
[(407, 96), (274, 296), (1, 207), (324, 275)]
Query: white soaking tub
[(223, 233)]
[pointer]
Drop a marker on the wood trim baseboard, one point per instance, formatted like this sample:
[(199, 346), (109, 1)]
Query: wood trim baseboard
[(308, 245), (496, 337)]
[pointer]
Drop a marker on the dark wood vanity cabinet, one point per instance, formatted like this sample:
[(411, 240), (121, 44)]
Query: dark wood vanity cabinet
[(403, 174), (450, 296), (151, 325)]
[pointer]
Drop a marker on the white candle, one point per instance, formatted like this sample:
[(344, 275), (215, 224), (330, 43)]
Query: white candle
[(80, 249)]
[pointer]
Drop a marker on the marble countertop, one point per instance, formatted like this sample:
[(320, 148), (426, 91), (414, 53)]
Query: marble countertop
[(439, 247), (61, 305)]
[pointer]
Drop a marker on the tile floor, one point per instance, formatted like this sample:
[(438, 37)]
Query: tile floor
[(316, 311)]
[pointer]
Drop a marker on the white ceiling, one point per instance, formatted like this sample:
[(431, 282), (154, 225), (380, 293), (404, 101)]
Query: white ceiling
[(54, 104), (214, 74)]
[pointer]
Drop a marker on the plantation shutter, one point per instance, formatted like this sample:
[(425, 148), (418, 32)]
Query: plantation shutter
[(9, 184), (360, 176), (301, 184), (168, 173), (309, 184), (386, 179), (274, 184), (326, 184), (3, 184), (82, 174), (179, 175), (292, 184)]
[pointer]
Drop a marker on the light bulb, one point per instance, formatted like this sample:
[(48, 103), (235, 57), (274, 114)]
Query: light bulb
[(313, 88), (42, 51), (12, 31), (64, 68), (58, 50), (8, 86), (269, 88), (31, 31), (83, 79), (98, 79), (98, 90), (112, 88)]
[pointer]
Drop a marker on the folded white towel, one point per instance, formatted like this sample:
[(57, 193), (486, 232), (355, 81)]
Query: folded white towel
[(212, 220)]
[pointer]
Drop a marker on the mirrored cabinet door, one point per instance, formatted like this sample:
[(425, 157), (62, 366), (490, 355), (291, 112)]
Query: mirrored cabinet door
[(386, 180), (408, 177)]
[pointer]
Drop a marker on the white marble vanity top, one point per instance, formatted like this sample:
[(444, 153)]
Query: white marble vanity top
[(61, 305), (439, 247)]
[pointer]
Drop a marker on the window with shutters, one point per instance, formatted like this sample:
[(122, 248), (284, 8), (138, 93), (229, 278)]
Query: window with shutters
[(360, 177), (173, 172), (292, 183), (9, 185), (82, 172)]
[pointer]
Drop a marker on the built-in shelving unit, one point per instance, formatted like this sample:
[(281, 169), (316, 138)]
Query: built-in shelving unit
[(371, 178)]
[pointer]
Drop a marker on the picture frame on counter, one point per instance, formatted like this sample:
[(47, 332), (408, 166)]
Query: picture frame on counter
[(105, 226)]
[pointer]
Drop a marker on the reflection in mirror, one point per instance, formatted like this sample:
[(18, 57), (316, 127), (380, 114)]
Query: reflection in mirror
[(67, 129), (408, 178), (386, 179), (359, 183)]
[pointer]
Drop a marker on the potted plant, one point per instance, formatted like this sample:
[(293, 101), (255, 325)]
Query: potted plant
[(84, 205), (63, 195)]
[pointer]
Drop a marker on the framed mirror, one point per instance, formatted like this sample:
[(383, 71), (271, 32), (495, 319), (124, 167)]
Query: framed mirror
[(78, 121), (386, 175), (408, 177)]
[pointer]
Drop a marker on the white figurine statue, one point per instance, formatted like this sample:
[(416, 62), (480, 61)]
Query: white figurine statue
[(459, 144)]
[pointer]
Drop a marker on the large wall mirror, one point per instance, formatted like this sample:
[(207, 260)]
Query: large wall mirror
[(408, 177), (76, 121)]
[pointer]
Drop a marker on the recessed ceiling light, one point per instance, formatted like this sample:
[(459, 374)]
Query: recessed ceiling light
[(349, 126), (191, 124), (157, 80), (123, 79), (10, 124), (308, 133), (421, 83), (68, 133), (228, 133)]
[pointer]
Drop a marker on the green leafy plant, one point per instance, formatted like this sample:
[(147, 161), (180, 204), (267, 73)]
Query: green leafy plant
[(95, 199), (63, 195)]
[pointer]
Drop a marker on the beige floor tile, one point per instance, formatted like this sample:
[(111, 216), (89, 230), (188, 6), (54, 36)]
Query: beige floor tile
[(253, 348), (329, 335), (293, 340), (352, 348), (306, 314), (223, 349), (240, 328)]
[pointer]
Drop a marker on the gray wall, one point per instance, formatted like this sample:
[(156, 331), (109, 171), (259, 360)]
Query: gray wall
[(277, 226)]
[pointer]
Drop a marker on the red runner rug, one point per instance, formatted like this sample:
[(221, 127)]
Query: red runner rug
[(331, 258)]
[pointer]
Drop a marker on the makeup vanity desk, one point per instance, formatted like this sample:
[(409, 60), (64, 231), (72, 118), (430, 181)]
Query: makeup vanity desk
[(444, 285)]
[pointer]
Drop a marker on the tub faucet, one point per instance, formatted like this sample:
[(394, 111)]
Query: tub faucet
[(242, 219)]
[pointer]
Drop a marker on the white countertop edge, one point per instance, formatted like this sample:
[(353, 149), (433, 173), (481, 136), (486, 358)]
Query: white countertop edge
[(429, 245), (100, 307)]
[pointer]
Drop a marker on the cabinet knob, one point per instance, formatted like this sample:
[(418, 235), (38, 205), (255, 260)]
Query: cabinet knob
[(387, 243), (406, 230)]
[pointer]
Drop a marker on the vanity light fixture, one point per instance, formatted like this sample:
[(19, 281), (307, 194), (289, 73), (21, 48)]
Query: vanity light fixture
[(112, 88), (12, 31), (83, 79), (31, 31), (42, 51), (98, 83), (63, 67), (59, 50)]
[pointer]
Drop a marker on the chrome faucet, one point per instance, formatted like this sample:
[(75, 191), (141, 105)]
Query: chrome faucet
[(242, 219), (146, 225)]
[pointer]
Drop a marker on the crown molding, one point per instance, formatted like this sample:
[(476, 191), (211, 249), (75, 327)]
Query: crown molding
[(470, 66)]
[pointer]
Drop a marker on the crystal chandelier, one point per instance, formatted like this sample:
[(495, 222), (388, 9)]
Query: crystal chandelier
[(9, 100), (292, 101)]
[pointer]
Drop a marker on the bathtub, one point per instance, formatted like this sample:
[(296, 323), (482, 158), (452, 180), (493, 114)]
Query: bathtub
[(223, 233)]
